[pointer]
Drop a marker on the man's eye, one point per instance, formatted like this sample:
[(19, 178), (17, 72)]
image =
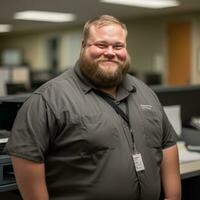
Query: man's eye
[(101, 46), (118, 47)]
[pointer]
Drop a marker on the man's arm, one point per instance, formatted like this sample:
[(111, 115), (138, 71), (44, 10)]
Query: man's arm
[(30, 177), (170, 174)]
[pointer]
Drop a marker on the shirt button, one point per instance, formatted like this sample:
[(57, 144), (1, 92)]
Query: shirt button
[(117, 102)]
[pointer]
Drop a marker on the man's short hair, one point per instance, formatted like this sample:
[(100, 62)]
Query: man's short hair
[(100, 21)]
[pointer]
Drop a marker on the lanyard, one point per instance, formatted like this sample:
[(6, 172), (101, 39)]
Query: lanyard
[(137, 158), (118, 110)]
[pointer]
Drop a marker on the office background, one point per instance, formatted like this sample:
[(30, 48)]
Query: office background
[(161, 43), (164, 46)]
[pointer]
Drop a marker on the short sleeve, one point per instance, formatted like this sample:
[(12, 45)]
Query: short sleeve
[(169, 134), (32, 130)]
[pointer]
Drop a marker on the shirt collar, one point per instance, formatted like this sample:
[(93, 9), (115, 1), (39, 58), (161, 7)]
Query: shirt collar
[(85, 84), (126, 87)]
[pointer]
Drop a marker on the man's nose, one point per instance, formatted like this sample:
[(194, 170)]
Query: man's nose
[(109, 52)]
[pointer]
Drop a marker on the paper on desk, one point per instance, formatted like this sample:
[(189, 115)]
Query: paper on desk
[(185, 155), (174, 115), (3, 140)]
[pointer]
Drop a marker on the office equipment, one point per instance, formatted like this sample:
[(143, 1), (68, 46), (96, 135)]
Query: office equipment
[(191, 138), (11, 56), (174, 115), (38, 78), (7, 178), (20, 74), (16, 88), (4, 134), (188, 97), (8, 109), (14, 79), (185, 155), (153, 78), (190, 180), (195, 122), (4, 78)]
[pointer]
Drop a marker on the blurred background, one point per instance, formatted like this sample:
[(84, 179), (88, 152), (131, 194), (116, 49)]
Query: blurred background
[(39, 39), (163, 40)]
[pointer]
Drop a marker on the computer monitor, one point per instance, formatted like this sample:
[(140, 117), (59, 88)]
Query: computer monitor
[(20, 74), (188, 97)]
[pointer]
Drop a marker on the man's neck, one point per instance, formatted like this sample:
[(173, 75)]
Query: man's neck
[(110, 91)]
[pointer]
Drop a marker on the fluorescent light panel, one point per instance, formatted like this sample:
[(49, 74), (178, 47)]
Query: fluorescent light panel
[(155, 4), (44, 16), (5, 28)]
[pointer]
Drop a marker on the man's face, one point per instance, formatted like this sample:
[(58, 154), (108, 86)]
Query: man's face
[(104, 58)]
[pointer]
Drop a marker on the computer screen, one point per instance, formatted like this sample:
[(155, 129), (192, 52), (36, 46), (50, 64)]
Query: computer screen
[(20, 74), (188, 97)]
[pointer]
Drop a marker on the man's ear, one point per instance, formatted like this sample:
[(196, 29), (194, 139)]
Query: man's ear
[(83, 44)]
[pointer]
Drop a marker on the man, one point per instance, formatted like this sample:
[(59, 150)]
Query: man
[(95, 132)]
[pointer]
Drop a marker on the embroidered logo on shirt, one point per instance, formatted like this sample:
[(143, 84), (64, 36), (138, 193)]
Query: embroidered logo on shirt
[(146, 107)]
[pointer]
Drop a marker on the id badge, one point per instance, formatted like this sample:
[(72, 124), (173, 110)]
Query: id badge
[(138, 162)]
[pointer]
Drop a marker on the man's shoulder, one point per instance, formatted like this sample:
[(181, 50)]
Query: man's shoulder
[(137, 83), (142, 89), (60, 92), (57, 84)]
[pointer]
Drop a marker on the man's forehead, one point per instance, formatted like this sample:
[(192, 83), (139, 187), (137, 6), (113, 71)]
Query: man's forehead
[(96, 27), (111, 30)]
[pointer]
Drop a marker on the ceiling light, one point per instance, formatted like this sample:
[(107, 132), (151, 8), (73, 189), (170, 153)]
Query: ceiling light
[(155, 4), (44, 16), (5, 28)]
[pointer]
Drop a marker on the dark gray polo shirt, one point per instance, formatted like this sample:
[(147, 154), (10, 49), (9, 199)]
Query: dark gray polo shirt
[(86, 146)]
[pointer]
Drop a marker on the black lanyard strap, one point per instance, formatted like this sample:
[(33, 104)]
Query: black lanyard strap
[(118, 110)]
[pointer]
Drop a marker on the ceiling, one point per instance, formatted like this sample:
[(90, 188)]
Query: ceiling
[(84, 9)]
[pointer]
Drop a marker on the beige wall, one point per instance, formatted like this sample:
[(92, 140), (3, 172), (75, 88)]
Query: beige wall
[(147, 45), (31, 46), (34, 47), (70, 48), (195, 75)]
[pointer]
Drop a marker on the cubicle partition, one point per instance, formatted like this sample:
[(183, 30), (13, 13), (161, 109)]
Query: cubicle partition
[(9, 107), (188, 97)]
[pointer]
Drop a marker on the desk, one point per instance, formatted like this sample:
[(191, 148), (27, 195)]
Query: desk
[(190, 169), (7, 178), (190, 177), (190, 180)]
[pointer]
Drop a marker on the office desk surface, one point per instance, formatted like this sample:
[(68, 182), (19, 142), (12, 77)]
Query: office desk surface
[(190, 169)]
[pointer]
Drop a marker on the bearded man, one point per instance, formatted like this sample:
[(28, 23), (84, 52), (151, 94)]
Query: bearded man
[(95, 132)]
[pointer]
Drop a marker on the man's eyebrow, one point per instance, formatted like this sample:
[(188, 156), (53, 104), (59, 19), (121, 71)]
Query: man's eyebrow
[(110, 43)]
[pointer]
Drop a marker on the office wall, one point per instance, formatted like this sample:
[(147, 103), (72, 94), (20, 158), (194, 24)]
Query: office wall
[(70, 47), (179, 52), (196, 51), (34, 47), (31, 46), (147, 45)]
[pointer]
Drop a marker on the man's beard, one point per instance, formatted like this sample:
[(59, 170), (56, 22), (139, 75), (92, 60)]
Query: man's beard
[(100, 78)]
